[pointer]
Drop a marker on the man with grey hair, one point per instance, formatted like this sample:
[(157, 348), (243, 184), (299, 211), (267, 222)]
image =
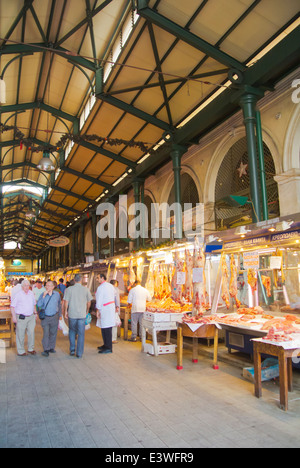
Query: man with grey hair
[(23, 310), (50, 302), (77, 301)]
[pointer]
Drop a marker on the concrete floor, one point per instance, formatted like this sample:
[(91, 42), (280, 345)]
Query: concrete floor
[(132, 400)]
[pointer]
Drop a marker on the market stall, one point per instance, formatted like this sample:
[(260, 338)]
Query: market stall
[(6, 321), (258, 275)]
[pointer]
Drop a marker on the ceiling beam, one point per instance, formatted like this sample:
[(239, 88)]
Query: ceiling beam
[(65, 207), (108, 154), (38, 105), (63, 169), (46, 47), (73, 194), (150, 119), (186, 36)]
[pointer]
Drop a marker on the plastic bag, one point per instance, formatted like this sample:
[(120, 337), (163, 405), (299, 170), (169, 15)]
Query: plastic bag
[(118, 320), (63, 326), (88, 320)]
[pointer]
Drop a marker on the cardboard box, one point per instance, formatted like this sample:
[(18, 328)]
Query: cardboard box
[(269, 370)]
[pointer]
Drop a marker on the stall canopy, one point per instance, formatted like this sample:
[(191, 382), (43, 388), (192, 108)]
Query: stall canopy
[(100, 90)]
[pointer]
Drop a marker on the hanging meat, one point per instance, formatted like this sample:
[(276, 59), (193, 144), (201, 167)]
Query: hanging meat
[(150, 279), (252, 279), (266, 281), (225, 279), (233, 289), (165, 282), (177, 289), (189, 264), (199, 289), (132, 276), (279, 253)]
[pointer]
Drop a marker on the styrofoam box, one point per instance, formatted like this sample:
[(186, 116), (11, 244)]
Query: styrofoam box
[(166, 348), (157, 317), (270, 370)]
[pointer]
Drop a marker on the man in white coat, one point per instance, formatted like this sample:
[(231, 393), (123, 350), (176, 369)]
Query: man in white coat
[(106, 312)]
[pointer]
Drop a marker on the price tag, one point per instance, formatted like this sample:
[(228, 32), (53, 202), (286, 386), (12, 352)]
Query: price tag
[(197, 275), (181, 275)]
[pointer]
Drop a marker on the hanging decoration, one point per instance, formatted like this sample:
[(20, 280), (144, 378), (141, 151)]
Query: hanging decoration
[(29, 143), (242, 170)]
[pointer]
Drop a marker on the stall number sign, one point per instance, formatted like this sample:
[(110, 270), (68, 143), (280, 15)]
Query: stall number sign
[(251, 260)]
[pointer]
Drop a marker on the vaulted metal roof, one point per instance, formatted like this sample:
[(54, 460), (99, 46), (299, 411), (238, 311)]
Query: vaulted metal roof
[(87, 81)]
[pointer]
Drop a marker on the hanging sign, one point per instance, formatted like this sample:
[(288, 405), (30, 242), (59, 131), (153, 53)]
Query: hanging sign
[(275, 263), (60, 241), (251, 260)]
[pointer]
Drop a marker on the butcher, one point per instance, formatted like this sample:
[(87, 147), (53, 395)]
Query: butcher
[(106, 312)]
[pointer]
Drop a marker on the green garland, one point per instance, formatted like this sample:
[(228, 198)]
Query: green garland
[(29, 143)]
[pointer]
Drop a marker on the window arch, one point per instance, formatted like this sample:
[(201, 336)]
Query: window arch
[(230, 181), (189, 191)]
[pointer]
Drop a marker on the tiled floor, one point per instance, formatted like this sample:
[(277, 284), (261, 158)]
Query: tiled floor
[(132, 400)]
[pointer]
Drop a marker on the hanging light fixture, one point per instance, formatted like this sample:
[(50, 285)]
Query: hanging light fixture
[(30, 213), (45, 163)]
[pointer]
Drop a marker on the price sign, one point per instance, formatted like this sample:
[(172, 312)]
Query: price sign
[(181, 276), (197, 275)]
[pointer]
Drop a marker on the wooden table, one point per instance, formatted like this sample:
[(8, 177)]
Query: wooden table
[(285, 368), (9, 330), (204, 331)]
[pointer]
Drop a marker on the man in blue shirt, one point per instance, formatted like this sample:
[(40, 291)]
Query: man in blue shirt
[(50, 301), (61, 286)]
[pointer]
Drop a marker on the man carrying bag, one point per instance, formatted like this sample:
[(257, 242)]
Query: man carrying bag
[(49, 305)]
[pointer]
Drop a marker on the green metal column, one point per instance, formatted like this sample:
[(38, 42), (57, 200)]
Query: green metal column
[(262, 168), (136, 193), (248, 104), (177, 152), (82, 243), (144, 233), (94, 234), (73, 248)]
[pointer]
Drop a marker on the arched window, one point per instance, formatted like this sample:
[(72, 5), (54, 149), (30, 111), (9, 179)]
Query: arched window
[(189, 191), (233, 179)]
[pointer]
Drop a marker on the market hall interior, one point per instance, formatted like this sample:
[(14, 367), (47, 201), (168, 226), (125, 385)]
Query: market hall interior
[(149, 168), (130, 399)]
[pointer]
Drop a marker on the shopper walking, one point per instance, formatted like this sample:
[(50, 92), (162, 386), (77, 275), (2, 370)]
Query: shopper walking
[(115, 328), (38, 289), (106, 312), (23, 309), (61, 286), (16, 288), (77, 302), (50, 302), (138, 296)]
